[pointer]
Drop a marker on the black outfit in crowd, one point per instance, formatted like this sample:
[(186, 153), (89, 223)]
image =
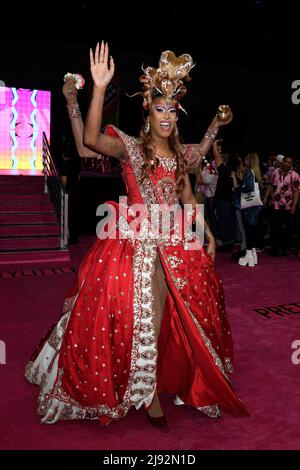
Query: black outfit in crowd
[(224, 205)]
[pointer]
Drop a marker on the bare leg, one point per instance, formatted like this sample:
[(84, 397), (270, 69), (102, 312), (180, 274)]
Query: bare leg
[(160, 290)]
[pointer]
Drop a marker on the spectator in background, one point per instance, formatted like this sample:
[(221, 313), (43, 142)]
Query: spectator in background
[(226, 221), (266, 211), (251, 215), (274, 162), (278, 161), (297, 218), (284, 189), (206, 183), (199, 186), (238, 178)]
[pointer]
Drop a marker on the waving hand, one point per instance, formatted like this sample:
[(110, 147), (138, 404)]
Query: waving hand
[(102, 69)]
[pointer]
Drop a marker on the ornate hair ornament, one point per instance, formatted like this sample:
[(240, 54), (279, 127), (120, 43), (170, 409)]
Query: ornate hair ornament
[(166, 80)]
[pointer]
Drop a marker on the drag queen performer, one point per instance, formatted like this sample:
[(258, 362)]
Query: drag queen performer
[(146, 315)]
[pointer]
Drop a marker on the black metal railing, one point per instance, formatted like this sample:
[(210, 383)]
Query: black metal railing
[(53, 186)]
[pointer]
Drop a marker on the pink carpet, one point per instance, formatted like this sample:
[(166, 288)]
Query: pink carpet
[(265, 377)]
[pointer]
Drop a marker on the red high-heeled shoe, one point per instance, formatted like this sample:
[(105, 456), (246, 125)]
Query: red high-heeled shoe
[(159, 421)]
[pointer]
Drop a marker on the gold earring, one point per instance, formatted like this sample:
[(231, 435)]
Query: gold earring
[(147, 126)]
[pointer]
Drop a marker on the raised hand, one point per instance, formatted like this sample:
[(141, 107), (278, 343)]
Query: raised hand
[(227, 121), (102, 68), (218, 123), (69, 90)]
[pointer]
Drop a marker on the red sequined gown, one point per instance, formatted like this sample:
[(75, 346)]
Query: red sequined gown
[(101, 357)]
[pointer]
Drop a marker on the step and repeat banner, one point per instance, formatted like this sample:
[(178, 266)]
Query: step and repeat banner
[(24, 116)]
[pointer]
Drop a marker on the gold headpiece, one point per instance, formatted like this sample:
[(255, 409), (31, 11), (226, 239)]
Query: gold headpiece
[(167, 80)]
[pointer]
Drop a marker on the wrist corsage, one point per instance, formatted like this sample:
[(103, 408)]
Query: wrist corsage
[(79, 81)]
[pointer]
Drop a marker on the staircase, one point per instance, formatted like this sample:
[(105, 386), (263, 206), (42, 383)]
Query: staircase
[(29, 230)]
